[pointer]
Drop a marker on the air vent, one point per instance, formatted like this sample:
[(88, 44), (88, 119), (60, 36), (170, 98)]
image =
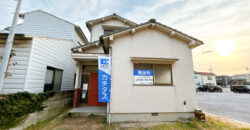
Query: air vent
[(154, 114), (184, 102)]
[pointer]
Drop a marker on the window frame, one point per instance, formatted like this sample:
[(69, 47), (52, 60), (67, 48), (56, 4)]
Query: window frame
[(155, 84), (209, 77), (53, 79)]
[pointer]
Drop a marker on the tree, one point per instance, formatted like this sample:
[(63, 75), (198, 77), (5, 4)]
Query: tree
[(12, 54)]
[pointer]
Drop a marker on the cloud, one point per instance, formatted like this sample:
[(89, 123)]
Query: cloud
[(207, 20)]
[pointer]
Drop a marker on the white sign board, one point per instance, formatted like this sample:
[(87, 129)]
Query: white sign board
[(143, 77), (85, 86)]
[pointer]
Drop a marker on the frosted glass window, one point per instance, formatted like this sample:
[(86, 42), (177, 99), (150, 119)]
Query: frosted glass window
[(162, 74), (58, 80), (53, 79), (49, 76)]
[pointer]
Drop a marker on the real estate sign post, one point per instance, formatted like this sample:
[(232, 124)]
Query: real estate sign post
[(104, 77)]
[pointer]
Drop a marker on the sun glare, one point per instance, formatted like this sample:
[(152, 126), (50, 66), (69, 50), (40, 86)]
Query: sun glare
[(224, 47)]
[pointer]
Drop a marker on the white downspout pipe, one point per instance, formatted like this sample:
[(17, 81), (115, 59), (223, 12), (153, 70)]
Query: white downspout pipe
[(108, 105)]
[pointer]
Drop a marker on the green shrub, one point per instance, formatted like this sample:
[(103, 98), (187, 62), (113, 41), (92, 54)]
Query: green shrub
[(14, 108), (92, 115)]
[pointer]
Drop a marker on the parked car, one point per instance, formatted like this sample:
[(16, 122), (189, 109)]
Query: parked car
[(197, 86), (241, 88), (210, 88)]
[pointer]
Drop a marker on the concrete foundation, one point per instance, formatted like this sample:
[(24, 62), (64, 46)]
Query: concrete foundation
[(150, 117)]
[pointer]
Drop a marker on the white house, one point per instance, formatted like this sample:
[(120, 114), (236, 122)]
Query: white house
[(164, 52), (41, 52), (205, 78)]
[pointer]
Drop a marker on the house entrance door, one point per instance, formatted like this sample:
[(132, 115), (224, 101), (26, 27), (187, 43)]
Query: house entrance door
[(93, 90)]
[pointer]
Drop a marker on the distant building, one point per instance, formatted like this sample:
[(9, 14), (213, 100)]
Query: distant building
[(223, 80), (242, 77), (204, 78)]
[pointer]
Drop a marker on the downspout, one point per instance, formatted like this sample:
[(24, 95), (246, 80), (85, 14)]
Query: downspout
[(102, 44), (109, 51), (108, 110)]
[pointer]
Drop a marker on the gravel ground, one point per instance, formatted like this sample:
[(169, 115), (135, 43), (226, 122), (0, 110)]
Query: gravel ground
[(226, 104)]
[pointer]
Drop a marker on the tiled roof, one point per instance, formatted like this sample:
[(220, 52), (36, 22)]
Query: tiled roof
[(152, 21), (205, 73)]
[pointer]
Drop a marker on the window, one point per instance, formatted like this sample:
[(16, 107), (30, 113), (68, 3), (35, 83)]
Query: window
[(209, 77), (106, 32), (53, 79), (152, 74)]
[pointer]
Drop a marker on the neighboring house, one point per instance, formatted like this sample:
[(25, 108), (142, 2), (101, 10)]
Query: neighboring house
[(204, 78), (42, 57), (242, 77), (151, 46), (223, 80)]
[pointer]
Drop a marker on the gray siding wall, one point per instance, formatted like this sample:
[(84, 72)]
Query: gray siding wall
[(54, 53), (39, 23), (15, 82), (77, 39), (53, 40)]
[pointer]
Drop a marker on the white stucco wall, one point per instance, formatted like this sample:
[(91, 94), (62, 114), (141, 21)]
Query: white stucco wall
[(206, 81), (126, 98), (203, 79), (97, 29), (198, 79)]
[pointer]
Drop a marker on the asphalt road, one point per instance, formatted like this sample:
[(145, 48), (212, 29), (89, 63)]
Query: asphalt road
[(227, 104)]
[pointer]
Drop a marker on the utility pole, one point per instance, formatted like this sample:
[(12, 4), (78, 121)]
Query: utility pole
[(8, 46), (211, 68)]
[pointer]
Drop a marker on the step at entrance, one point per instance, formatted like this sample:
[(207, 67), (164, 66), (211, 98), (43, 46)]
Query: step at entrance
[(88, 110)]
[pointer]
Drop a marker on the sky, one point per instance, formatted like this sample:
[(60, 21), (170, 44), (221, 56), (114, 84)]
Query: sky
[(223, 25)]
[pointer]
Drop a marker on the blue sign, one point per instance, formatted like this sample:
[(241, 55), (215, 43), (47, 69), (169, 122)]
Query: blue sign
[(104, 61), (104, 79), (143, 72), (143, 77)]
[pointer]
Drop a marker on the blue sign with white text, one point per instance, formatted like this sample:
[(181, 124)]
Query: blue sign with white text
[(143, 72), (104, 79)]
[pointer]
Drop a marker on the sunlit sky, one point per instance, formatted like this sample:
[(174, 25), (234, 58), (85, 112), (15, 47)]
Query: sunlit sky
[(223, 25)]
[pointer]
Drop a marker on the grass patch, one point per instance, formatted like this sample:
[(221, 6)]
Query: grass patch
[(62, 122), (194, 124)]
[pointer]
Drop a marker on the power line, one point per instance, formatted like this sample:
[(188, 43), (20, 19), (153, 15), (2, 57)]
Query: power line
[(8, 5), (77, 19)]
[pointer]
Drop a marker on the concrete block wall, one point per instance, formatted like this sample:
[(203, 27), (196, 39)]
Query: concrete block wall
[(55, 105)]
